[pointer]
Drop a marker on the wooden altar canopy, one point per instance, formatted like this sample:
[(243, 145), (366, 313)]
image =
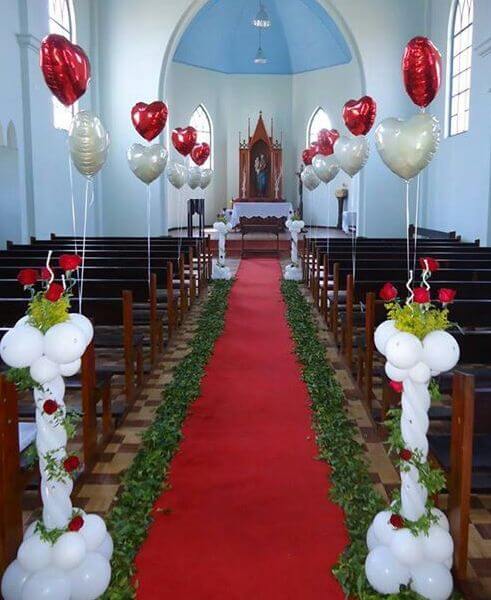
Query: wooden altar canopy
[(260, 166)]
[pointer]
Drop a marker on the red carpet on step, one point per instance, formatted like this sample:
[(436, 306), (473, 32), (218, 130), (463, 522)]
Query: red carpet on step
[(248, 515)]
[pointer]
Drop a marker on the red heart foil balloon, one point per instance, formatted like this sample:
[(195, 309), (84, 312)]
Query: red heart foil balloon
[(184, 140), (359, 115), (66, 68), (422, 70), (325, 141), (149, 119), (309, 153), (200, 153)]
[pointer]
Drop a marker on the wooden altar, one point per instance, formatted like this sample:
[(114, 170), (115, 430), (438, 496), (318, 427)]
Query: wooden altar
[(260, 165)]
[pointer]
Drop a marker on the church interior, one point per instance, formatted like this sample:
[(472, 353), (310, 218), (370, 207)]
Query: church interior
[(245, 299)]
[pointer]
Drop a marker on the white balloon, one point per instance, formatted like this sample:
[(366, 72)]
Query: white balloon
[(406, 547), (83, 324), (64, 343), (30, 530), (93, 531), (325, 167), (22, 321), (351, 153), (70, 369), (194, 177), (43, 370), (69, 550), (432, 581), (382, 528), (441, 351), (309, 178), (21, 346), (438, 544), (404, 350), (48, 584), (177, 174), (13, 579), (407, 147), (91, 578), (372, 539), (54, 389), (34, 553), (394, 373), (88, 142), (147, 162), (106, 548), (442, 518), (383, 333), (384, 572), (420, 373), (206, 176)]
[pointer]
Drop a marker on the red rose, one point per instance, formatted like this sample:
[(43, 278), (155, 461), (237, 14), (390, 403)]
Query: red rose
[(76, 524), (71, 463), (396, 521), (433, 264), (421, 295), (50, 407), (27, 277), (69, 262), (405, 454), (54, 292), (44, 274), (446, 295), (396, 386), (388, 293)]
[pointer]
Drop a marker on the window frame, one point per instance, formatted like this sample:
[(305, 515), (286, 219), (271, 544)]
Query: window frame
[(319, 110)]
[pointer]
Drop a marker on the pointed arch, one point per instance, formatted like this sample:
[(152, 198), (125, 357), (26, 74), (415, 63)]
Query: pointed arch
[(201, 121), (1, 135), (318, 120), (11, 136)]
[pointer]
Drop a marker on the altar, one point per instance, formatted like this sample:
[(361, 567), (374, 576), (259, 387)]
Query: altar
[(260, 209)]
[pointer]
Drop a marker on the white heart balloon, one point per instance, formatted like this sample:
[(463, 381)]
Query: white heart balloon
[(407, 147), (351, 153), (194, 177), (147, 163), (206, 176), (88, 142), (325, 167), (177, 174), (309, 178)]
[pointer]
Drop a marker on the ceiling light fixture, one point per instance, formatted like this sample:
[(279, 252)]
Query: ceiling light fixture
[(262, 20)]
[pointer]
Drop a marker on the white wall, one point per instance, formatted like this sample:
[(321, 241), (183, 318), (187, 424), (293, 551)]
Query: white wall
[(457, 195)]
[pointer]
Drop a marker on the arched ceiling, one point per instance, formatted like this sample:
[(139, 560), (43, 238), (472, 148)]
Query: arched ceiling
[(302, 37)]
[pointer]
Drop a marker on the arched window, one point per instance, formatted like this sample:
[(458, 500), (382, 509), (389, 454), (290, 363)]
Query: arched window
[(460, 66), (201, 121), (62, 22), (319, 120)]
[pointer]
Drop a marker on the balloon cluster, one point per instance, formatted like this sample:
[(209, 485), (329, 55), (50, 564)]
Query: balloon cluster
[(185, 141)]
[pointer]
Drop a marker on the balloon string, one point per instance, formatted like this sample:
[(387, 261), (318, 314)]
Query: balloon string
[(72, 198), (426, 274), (416, 222), (409, 288), (50, 270), (407, 231), (88, 193), (149, 249)]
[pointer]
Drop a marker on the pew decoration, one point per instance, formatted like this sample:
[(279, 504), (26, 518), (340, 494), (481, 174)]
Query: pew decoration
[(65, 554), (293, 271), (409, 543), (220, 270)]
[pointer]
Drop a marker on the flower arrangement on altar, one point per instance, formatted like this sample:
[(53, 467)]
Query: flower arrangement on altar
[(410, 544), (66, 553)]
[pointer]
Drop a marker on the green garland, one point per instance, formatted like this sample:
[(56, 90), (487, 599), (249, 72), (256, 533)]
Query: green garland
[(143, 482), (351, 485)]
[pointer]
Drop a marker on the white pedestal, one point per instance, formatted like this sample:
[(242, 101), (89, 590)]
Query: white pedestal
[(220, 272), (293, 273)]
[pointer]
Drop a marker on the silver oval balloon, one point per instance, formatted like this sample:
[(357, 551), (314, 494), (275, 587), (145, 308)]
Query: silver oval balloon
[(309, 178), (147, 162), (325, 167), (206, 176), (351, 153), (177, 174), (407, 147), (194, 177), (88, 142)]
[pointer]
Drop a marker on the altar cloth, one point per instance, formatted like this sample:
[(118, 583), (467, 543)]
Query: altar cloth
[(260, 209)]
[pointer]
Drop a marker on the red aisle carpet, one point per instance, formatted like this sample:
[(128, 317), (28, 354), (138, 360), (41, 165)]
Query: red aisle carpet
[(247, 516)]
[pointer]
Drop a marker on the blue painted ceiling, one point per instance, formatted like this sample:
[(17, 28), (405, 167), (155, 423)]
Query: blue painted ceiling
[(302, 37)]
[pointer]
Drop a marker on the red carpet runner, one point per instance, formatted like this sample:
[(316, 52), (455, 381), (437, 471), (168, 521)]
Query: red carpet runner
[(248, 515)]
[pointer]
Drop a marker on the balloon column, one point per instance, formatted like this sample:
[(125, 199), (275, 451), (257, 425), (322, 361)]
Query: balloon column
[(293, 271), (220, 270), (65, 554)]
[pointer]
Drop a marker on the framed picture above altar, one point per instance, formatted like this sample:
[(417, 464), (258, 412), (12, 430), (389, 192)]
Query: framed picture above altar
[(260, 165)]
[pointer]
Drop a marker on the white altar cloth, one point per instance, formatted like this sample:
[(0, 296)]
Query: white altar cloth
[(259, 209)]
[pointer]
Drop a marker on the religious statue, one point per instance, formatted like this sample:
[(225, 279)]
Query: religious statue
[(260, 167)]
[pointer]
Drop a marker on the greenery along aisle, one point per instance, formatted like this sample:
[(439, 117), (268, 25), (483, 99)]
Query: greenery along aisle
[(142, 484), (351, 485)]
